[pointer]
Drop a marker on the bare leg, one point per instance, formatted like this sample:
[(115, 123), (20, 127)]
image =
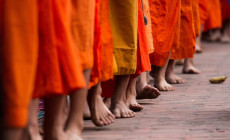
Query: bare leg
[(226, 33), (158, 73), (12, 134), (87, 114), (33, 129), (171, 77), (131, 94), (189, 67), (198, 41), (74, 124), (118, 106), (179, 62), (145, 91), (54, 114)]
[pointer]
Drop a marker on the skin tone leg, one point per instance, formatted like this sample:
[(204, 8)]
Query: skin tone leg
[(74, 124), (131, 94), (158, 73), (226, 32), (189, 67), (100, 114), (198, 41), (118, 100), (32, 129), (54, 114), (170, 76), (145, 91), (12, 134)]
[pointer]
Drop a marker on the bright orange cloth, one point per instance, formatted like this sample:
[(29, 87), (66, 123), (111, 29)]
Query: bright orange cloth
[(204, 11), (186, 47), (83, 16), (103, 45), (225, 7), (59, 70), (18, 58), (214, 20), (148, 27), (196, 17), (95, 74), (143, 62), (164, 18)]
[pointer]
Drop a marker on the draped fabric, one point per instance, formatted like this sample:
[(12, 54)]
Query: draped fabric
[(164, 18)]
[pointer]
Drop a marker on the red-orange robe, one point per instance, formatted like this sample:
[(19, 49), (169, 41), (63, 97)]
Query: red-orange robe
[(214, 20), (196, 17), (164, 18), (143, 62), (103, 45), (225, 7), (204, 11)]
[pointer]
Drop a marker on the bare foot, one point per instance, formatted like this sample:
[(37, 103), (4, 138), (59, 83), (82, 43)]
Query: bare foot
[(174, 79), (199, 49), (100, 114), (120, 110), (162, 85), (147, 92), (189, 67), (131, 101)]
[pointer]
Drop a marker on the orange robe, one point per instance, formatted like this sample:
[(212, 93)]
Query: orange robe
[(59, 70), (164, 18), (214, 20), (225, 7), (18, 52), (103, 45), (204, 11), (186, 48), (83, 16)]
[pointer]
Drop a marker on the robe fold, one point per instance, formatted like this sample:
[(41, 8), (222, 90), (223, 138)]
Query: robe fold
[(186, 48)]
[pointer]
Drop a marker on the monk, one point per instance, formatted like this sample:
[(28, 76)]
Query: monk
[(143, 89), (164, 18), (123, 19), (103, 65), (189, 29), (82, 27)]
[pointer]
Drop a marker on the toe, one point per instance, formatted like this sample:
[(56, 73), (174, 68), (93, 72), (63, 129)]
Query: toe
[(117, 114)]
